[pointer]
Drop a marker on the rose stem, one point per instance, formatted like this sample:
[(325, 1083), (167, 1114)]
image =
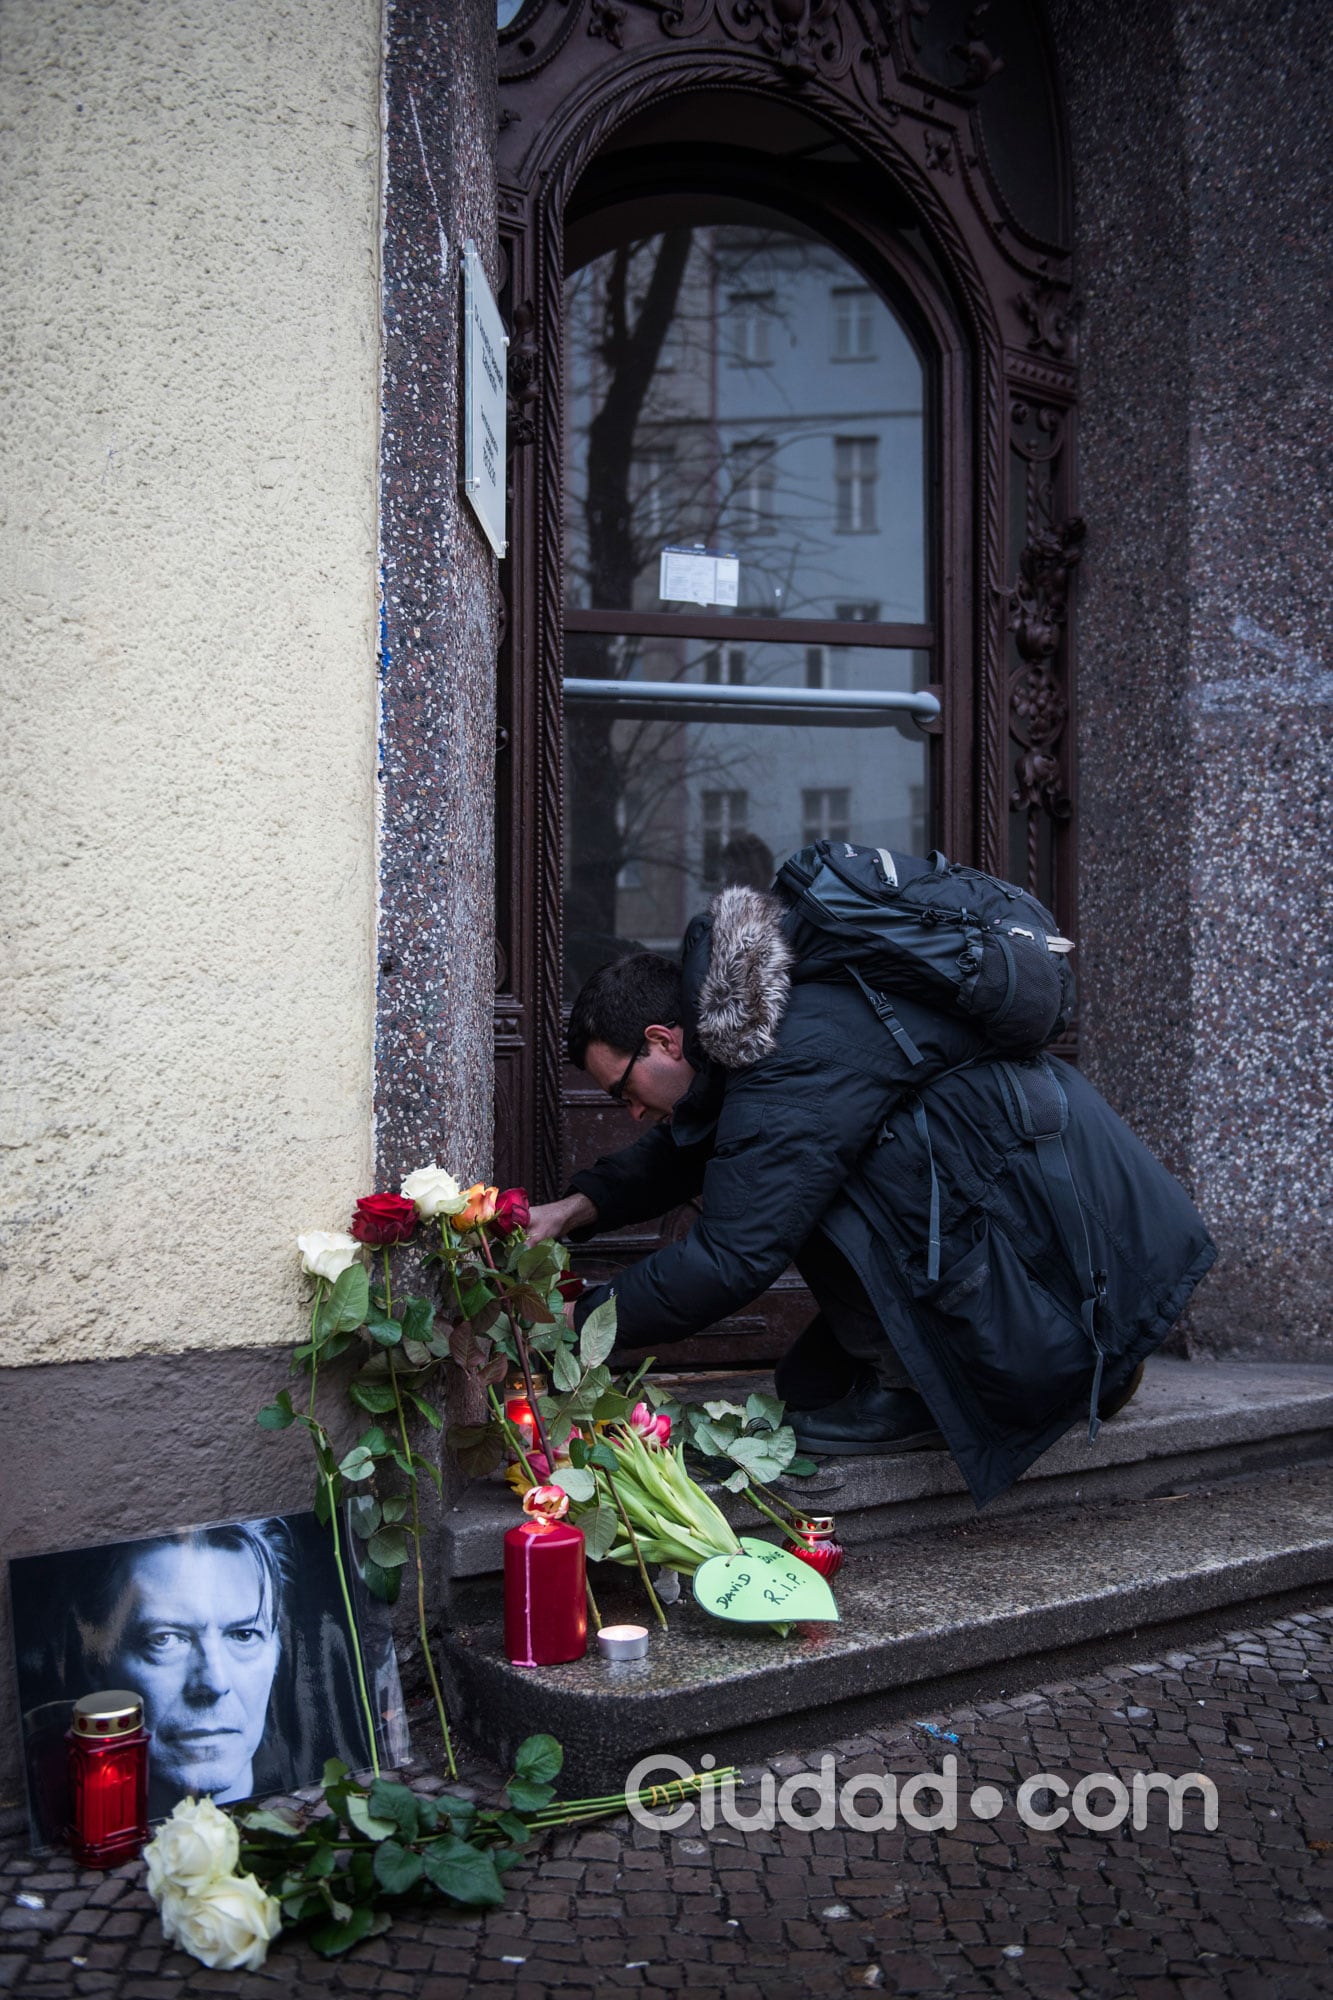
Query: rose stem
[(634, 1544), (524, 1363), (337, 1541), (426, 1653)]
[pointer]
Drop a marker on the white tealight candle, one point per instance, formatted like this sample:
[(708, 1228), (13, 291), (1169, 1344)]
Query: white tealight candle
[(623, 1642)]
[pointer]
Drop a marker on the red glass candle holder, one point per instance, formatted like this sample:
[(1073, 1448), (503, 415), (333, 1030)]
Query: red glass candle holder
[(108, 1779), (546, 1593), (813, 1542), (519, 1412)]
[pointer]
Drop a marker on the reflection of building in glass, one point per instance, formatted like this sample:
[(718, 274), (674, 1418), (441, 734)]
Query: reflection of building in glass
[(749, 442)]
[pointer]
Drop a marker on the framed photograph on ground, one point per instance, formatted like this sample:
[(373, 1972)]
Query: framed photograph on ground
[(235, 1636)]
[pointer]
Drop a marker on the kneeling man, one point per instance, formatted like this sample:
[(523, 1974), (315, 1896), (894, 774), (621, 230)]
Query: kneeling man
[(992, 1251)]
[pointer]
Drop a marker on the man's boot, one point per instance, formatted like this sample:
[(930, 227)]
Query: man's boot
[(867, 1421)]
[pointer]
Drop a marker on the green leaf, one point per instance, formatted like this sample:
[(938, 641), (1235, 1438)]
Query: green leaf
[(525, 1797), (418, 1319), (418, 1353), (331, 1940), (348, 1303), (323, 1861), (539, 1759), (277, 1415), (334, 1772), (357, 1813), (428, 1410), (397, 1869), (395, 1507), (375, 1441), (420, 1464), (389, 1548), (364, 1513), (398, 1803), (358, 1464), (384, 1329), (737, 1482), (565, 1370), (598, 1334), (372, 1396), (765, 1457), (602, 1454), (612, 1408), (515, 1829), (801, 1468), (601, 1529), (383, 1584), (464, 1874), (460, 1813), (724, 1409), (768, 1410), (264, 1821), (576, 1480), (323, 1504)]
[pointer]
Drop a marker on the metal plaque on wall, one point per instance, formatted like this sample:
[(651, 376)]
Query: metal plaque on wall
[(484, 371)]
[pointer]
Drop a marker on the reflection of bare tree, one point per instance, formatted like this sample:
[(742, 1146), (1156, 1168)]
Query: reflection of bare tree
[(628, 349)]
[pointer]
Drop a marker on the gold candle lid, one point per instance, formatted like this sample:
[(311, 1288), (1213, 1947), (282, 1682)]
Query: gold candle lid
[(817, 1524), (115, 1712)]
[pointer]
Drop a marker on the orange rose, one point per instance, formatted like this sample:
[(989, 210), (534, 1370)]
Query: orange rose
[(480, 1206)]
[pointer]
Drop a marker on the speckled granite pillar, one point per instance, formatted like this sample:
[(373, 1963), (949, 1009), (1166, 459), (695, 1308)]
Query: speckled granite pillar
[(433, 1063), (1200, 138)]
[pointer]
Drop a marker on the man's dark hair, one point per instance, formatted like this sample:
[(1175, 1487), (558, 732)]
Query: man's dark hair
[(623, 999)]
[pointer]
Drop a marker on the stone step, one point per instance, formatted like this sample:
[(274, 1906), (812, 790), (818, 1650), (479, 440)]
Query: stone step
[(915, 1610), (1191, 1423)]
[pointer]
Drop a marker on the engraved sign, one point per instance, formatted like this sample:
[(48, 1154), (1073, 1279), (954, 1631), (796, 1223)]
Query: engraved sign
[(484, 345)]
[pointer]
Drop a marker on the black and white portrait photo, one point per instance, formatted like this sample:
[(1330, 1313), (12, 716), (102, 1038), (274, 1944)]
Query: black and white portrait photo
[(235, 1636)]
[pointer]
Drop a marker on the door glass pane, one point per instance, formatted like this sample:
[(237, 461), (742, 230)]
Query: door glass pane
[(739, 386), (664, 804)]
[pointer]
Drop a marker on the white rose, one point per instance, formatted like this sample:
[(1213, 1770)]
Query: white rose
[(229, 1925), (327, 1253), (197, 1845), (435, 1193)]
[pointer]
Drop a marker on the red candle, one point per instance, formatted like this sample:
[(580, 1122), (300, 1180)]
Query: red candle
[(108, 1779), (813, 1542), (546, 1593)]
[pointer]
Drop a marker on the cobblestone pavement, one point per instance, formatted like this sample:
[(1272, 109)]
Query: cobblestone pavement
[(991, 1907)]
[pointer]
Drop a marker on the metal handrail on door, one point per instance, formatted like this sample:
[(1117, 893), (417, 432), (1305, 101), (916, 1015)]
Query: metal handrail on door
[(663, 701)]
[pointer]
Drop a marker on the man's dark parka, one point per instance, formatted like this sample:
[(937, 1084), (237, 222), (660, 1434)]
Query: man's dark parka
[(805, 1114)]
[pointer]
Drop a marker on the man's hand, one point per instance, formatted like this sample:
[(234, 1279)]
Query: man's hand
[(555, 1218)]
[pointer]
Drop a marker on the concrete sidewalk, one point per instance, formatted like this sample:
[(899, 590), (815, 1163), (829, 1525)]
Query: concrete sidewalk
[(989, 1907)]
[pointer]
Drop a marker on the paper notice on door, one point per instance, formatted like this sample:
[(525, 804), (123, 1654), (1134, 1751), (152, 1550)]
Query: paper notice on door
[(699, 576)]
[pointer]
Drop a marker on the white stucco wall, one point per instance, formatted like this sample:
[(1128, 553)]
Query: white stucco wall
[(187, 588)]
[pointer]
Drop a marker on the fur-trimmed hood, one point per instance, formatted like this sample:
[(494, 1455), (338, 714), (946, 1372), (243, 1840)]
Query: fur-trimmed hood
[(743, 995)]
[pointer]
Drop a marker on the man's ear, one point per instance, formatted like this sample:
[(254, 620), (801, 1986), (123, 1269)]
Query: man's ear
[(670, 1041)]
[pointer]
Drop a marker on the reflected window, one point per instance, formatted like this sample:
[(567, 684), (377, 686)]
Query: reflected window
[(856, 477), (724, 666), (853, 323), (754, 486), (751, 323), (726, 820), (826, 815)]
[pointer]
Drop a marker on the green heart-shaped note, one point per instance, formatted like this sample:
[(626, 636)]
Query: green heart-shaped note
[(765, 1586)]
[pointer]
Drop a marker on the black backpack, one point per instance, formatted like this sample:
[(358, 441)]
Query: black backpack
[(948, 936)]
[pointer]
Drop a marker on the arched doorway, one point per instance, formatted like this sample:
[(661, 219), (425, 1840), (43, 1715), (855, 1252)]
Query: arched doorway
[(771, 311)]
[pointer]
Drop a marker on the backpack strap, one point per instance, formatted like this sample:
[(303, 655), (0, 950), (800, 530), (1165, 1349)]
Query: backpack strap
[(882, 1007), (922, 1124), (1041, 1114)]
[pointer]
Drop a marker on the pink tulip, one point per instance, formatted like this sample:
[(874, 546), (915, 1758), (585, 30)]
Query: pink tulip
[(654, 1427)]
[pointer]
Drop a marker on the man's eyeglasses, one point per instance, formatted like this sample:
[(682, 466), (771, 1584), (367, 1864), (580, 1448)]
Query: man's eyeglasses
[(617, 1091)]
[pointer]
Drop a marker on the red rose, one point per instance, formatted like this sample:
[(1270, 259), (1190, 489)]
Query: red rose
[(511, 1211), (384, 1218), (570, 1286)]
